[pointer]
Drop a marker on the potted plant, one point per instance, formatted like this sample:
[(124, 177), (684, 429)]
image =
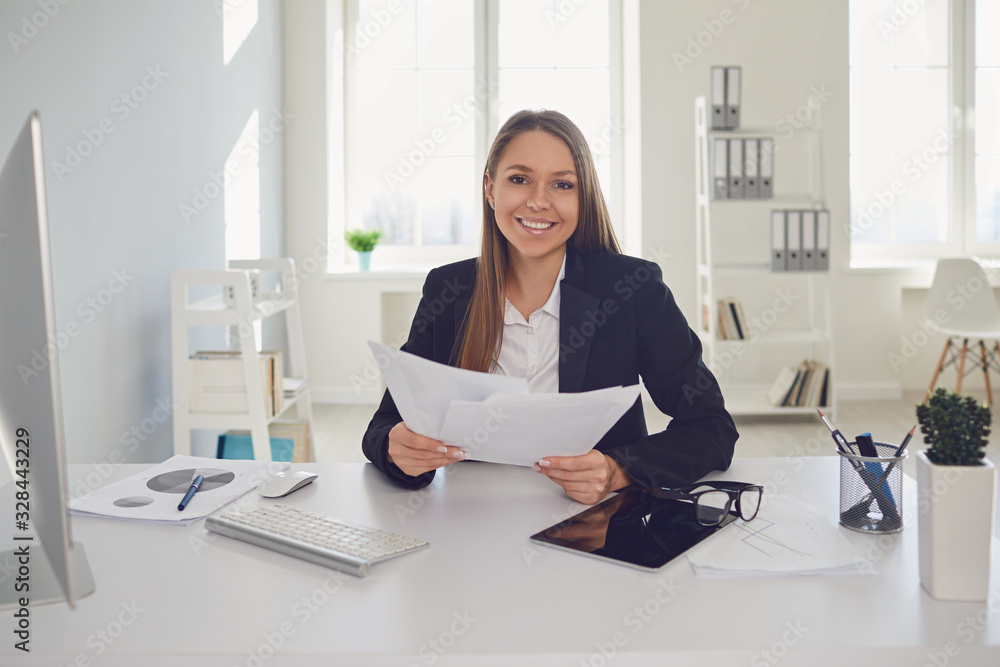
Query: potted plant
[(363, 242), (956, 488)]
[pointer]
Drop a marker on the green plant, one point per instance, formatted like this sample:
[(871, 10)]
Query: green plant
[(361, 240), (955, 428)]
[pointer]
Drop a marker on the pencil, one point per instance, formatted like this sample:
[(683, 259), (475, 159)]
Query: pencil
[(838, 437), (906, 441)]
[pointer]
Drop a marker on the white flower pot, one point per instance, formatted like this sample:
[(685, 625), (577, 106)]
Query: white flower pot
[(955, 525)]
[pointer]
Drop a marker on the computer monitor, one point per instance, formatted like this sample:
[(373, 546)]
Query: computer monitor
[(31, 423)]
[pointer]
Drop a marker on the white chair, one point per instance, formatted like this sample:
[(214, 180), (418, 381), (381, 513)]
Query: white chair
[(961, 304)]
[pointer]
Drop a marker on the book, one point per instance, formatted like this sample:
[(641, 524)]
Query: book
[(295, 431), (736, 319), (805, 385), (724, 329), (742, 319), (815, 396), (237, 445), (217, 383), (732, 321), (292, 387), (782, 386), (800, 391), (298, 432)]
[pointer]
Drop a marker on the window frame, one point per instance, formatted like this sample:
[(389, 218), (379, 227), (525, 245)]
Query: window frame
[(962, 162), (420, 257)]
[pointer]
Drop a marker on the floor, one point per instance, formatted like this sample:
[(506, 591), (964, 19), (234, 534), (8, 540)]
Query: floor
[(339, 429)]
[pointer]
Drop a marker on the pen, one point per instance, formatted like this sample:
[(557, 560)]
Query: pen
[(906, 441), (195, 485), (867, 448), (838, 437)]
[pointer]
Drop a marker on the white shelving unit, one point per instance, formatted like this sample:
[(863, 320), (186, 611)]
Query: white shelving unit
[(243, 317), (811, 338)]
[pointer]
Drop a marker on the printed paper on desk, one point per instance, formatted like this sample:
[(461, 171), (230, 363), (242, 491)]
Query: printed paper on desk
[(789, 536), (153, 494), (423, 389), (521, 429)]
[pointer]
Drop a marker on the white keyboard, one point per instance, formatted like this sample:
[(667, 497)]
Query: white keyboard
[(314, 537)]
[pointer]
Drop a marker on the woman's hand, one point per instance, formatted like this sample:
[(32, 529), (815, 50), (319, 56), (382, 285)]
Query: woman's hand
[(587, 478), (415, 454)]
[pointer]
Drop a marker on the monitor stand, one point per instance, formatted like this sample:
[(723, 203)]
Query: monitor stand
[(44, 587)]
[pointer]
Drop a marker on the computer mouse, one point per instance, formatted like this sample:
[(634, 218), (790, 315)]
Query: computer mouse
[(282, 483)]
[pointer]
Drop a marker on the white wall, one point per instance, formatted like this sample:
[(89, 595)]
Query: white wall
[(119, 208)]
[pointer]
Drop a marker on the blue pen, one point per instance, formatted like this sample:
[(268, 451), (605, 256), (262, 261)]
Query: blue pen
[(867, 448), (195, 485)]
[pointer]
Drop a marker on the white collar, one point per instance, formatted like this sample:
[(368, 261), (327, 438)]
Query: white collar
[(511, 314)]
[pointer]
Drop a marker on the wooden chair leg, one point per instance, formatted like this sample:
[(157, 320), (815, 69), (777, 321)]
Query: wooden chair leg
[(940, 365), (961, 365), (986, 373)]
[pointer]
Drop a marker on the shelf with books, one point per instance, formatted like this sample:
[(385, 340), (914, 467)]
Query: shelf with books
[(251, 383), (751, 400), (746, 353), (782, 338)]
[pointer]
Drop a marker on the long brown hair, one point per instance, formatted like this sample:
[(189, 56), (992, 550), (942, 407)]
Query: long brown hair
[(482, 330)]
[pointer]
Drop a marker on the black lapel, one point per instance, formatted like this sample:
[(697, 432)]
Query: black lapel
[(574, 346)]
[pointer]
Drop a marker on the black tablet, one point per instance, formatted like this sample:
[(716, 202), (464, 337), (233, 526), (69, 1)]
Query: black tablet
[(633, 529)]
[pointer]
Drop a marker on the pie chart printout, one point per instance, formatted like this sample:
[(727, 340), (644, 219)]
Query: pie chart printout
[(133, 501), (179, 481)]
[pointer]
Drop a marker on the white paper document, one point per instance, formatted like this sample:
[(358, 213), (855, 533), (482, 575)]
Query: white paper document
[(494, 418), (153, 494), (789, 536)]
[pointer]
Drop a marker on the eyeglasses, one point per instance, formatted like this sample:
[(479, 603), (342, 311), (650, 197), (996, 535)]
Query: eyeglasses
[(712, 503)]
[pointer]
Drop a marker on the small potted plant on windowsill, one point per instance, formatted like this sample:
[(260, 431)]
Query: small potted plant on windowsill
[(363, 242), (956, 487)]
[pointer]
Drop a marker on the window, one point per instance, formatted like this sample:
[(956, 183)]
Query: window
[(427, 85), (924, 140)]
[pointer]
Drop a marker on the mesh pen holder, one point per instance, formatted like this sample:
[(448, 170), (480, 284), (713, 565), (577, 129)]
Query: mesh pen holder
[(871, 490)]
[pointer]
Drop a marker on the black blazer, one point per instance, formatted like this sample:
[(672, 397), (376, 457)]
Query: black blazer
[(617, 322)]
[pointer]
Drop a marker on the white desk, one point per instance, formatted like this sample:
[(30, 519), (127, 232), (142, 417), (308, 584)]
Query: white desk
[(485, 595)]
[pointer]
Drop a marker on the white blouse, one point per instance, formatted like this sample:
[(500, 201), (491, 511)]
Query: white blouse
[(530, 348)]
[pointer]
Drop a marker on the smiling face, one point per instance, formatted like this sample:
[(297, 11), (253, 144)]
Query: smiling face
[(535, 196)]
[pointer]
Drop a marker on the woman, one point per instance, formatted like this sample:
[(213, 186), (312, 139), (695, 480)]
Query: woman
[(551, 298)]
